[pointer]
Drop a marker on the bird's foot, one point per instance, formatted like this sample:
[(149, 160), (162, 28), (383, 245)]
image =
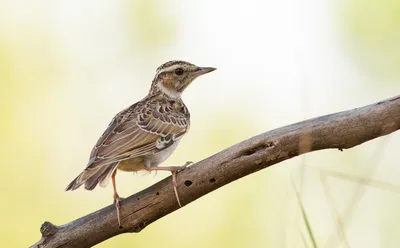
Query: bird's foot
[(174, 183), (182, 167), (117, 202)]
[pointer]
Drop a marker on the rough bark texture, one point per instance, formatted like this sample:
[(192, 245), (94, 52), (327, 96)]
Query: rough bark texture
[(341, 130)]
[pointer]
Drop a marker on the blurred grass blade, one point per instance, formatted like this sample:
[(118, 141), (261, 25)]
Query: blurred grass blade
[(335, 214), (304, 239), (304, 214), (347, 214), (378, 184)]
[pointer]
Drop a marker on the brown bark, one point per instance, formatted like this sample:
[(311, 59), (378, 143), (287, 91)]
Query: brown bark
[(341, 130)]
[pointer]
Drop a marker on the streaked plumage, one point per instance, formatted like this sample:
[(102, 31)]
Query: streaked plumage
[(140, 131), (145, 134)]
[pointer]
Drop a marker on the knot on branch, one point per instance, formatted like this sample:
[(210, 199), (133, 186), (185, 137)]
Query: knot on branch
[(48, 229), (138, 227), (261, 147)]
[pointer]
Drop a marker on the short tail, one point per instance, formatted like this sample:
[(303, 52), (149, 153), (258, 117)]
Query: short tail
[(93, 176)]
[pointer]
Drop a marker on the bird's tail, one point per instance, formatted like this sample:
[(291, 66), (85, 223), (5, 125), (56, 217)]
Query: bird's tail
[(93, 176)]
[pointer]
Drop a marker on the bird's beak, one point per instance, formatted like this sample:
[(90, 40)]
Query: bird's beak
[(203, 70)]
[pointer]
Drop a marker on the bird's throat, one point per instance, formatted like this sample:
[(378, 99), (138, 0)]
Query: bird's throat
[(169, 92)]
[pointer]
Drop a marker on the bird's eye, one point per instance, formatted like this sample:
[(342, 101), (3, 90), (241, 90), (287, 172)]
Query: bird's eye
[(179, 71)]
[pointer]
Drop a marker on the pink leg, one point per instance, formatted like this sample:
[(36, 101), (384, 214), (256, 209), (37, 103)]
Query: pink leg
[(173, 170), (117, 199)]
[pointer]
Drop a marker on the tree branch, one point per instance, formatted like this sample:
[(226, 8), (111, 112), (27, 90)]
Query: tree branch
[(341, 130)]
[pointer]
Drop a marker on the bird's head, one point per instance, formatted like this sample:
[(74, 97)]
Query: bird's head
[(173, 77)]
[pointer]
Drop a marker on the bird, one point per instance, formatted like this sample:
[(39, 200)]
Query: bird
[(142, 136)]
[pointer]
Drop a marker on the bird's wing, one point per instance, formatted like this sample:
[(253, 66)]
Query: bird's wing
[(140, 130), (144, 128)]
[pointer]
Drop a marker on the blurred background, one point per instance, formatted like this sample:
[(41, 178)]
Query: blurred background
[(67, 67)]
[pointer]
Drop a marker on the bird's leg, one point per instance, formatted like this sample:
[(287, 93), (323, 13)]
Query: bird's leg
[(173, 170), (117, 199)]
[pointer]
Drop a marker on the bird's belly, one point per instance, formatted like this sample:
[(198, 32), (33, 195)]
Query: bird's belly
[(159, 157), (133, 164), (140, 163)]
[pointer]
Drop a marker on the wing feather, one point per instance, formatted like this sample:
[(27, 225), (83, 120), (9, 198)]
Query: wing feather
[(146, 127), (136, 131)]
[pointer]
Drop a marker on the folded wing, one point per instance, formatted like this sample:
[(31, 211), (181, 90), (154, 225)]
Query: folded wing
[(144, 128)]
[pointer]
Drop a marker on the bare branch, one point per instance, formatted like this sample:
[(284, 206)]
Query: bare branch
[(341, 130)]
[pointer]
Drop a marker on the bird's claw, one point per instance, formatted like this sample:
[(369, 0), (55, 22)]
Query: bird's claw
[(188, 163), (117, 202), (174, 183), (182, 167)]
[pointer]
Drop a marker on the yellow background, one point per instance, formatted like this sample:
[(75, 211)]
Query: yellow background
[(67, 67)]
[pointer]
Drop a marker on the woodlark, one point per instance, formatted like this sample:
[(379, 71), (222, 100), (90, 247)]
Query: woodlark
[(145, 134)]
